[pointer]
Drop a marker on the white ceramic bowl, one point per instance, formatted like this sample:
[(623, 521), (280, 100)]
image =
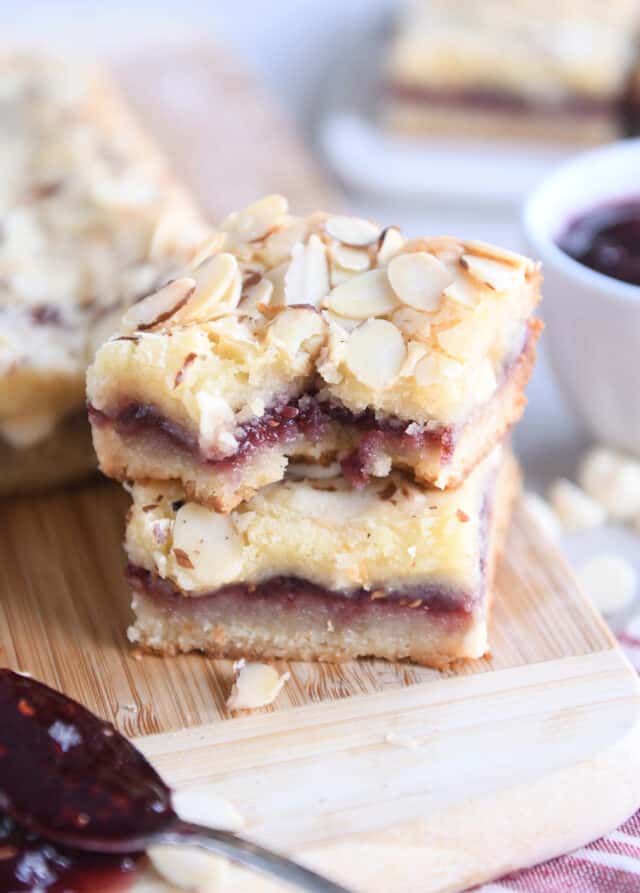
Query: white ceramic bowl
[(593, 321)]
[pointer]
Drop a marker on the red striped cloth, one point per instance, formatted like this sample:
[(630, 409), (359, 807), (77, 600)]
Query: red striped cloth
[(608, 865)]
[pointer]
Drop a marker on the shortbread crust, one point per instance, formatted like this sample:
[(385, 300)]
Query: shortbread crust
[(313, 570), (342, 325)]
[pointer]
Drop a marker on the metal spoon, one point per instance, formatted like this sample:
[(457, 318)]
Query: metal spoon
[(76, 781)]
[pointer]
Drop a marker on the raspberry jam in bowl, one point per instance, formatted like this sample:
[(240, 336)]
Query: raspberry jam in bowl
[(607, 239), (583, 223)]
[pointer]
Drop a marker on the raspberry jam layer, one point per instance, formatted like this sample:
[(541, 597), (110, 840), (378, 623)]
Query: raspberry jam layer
[(480, 99), (293, 593), (607, 239), (283, 424)]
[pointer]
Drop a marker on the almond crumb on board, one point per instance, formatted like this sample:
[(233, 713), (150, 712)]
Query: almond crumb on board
[(402, 741), (256, 685)]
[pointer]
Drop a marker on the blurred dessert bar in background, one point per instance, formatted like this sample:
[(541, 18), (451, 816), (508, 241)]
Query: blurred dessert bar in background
[(515, 69), (313, 569), (92, 220), (326, 339)]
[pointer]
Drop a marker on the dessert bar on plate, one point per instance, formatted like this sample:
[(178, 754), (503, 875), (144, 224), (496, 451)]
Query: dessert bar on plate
[(313, 569), (518, 70), (326, 339), (91, 221)]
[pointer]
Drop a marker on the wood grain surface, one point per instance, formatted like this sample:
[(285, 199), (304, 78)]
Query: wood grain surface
[(505, 761)]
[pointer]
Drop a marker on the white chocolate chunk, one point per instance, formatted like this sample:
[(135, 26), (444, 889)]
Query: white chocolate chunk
[(613, 480), (352, 230), (363, 296), (159, 306), (307, 279), (575, 508), (418, 279), (375, 353), (543, 515), (609, 580), (207, 549), (216, 417), (256, 685)]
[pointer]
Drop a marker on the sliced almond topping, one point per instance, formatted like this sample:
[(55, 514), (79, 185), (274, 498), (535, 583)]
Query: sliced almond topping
[(297, 327), (391, 243), (348, 258), (211, 543), (462, 292), (277, 276), (279, 244), (256, 295), (375, 353), (493, 252), (363, 296), (419, 279), (213, 245), (415, 353), (256, 221), (343, 322), (307, 279), (217, 282), (491, 273), (353, 230), (412, 323), (159, 306)]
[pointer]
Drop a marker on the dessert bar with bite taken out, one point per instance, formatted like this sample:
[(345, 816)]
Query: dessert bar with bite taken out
[(322, 339), (313, 569)]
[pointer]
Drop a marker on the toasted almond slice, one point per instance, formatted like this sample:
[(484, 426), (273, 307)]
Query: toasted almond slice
[(159, 306), (391, 243), (277, 276), (493, 252), (363, 296), (463, 292), (412, 323), (418, 279), (205, 250), (375, 353), (256, 295), (217, 283), (353, 230), (343, 322), (256, 685), (295, 327), (279, 244), (356, 259), (433, 369), (491, 273), (415, 353), (208, 547), (307, 279), (256, 221)]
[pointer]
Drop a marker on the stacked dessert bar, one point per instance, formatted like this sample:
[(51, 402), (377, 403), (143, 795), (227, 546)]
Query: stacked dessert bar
[(311, 422), (92, 219), (518, 69)]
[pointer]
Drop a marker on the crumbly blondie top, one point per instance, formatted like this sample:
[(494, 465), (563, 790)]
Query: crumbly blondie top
[(273, 306), (541, 50), (391, 534), (91, 220)]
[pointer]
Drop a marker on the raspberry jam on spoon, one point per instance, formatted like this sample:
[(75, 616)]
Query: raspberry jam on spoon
[(607, 239), (79, 804)]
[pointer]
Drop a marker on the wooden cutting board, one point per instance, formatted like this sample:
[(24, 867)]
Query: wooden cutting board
[(388, 777)]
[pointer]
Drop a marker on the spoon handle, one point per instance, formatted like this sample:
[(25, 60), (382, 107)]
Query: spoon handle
[(251, 855)]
